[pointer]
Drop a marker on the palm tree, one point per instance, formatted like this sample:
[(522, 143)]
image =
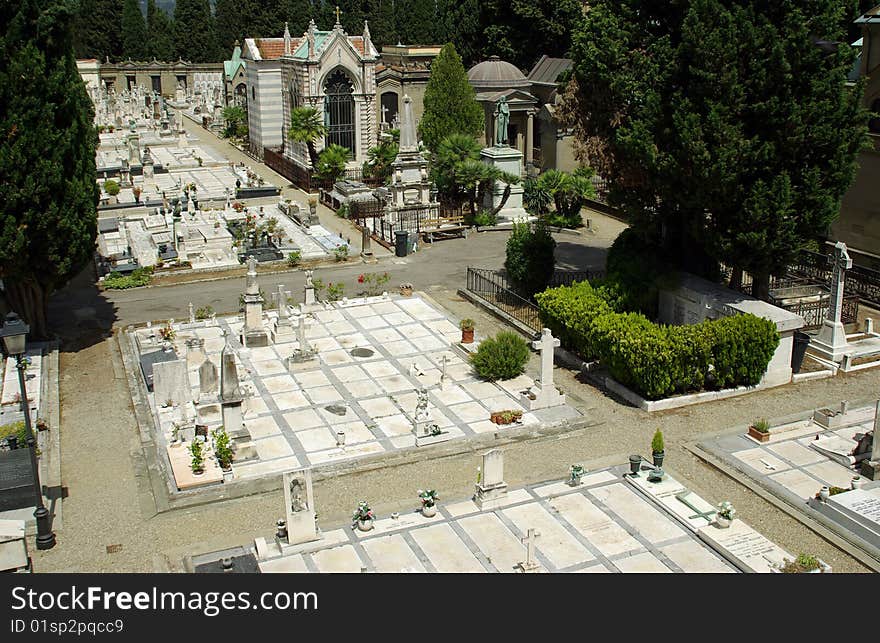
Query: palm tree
[(307, 126), (569, 192), (331, 162)]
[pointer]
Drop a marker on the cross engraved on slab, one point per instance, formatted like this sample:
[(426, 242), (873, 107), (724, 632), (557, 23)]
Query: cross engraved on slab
[(683, 498)]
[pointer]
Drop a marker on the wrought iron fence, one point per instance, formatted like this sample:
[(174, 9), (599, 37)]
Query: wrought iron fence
[(488, 285), (815, 312), (304, 179)]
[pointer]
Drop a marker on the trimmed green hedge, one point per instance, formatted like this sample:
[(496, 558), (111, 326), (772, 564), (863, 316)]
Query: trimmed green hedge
[(138, 277), (654, 360)]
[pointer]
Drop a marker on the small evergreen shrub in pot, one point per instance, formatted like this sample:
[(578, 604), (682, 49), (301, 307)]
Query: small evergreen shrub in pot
[(501, 358)]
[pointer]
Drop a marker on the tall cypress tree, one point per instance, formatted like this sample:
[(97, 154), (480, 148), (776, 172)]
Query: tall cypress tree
[(134, 31), (383, 27), (233, 20), (416, 21), (160, 33), (450, 104), (298, 14), (458, 22), (49, 193), (727, 129), (195, 38), (96, 32)]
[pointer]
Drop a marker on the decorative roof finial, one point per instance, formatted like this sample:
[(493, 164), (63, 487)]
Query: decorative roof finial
[(337, 16), (287, 44)]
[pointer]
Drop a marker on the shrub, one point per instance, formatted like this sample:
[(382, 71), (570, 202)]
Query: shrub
[(341, 252), (761, 425), (501, 358), (111, 187), (639, 268), (335, 291), (802, 564), (658, 361), (485, 218), (293, 258), (138, 277), (17, 429), (530, 260), (467, 324), (204, 312)]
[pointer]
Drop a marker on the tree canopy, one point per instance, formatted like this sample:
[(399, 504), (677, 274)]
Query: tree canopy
[(160, 34), (48, 192), (194, 32), (727, 132)]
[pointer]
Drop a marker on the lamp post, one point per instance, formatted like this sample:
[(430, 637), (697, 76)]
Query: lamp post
[(14, 333)]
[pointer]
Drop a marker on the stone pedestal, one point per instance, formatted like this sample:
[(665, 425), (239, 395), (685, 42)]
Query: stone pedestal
[(491, 491), (300, 502), (507, 159), (831, 342), (232, 416)]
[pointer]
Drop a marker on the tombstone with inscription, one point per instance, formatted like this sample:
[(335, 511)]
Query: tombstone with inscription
[(491, 489), (300, 503), (231, 396)]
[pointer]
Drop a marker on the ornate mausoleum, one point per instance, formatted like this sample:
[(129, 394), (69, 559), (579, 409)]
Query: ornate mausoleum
[(334, 73)]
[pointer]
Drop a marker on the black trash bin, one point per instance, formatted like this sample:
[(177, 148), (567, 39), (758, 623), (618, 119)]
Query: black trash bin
[(798, 350), (401, 242)]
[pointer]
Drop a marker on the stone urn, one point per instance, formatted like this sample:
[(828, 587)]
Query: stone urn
[(365, 525), (824, 493), (722, 522), (429, 511)]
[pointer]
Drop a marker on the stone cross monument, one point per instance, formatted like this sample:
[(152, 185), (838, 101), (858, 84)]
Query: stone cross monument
[(530, 564), (831, 342), (871, 468), (544, 394), (230, 391)]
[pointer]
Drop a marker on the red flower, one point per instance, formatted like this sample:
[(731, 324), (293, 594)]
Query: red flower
[(361, 279)]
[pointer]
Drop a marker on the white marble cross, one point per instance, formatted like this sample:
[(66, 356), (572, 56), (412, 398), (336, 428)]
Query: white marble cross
[(529, 541), (546, 345), (280, 298), (840, 263)]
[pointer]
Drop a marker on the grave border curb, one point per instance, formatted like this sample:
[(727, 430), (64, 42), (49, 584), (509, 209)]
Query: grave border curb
[(154, 482), (811, 519)]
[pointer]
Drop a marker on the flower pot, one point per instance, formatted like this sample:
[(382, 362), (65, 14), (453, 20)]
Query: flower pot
[(406, 292), (760, 437), (722, 522), (824, 492), (658, 457), (429, 512), (365, 525), (857, 482), (467, 336), (340, 438), (198, 472)]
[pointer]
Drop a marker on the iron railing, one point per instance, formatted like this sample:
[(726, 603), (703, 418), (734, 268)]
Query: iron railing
[(488, 285)]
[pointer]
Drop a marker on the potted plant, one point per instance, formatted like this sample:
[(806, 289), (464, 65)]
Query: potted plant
[(467, 331), (575, 473), (406, 289), (803, 564), (136, 191), (222, 449), (363, 517), (724, 515), (760, 430), (657, 452), (198, 459), (429, 500)]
